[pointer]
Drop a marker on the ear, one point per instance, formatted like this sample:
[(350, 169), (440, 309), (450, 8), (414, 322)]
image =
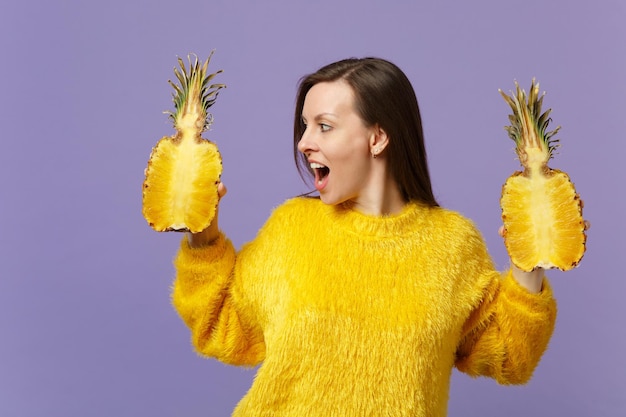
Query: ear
[(378, 140)]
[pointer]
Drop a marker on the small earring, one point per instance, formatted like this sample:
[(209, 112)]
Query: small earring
[(375, 152)]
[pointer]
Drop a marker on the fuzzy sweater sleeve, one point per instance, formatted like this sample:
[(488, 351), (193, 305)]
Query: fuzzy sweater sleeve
[(203, 293), (508, 332)]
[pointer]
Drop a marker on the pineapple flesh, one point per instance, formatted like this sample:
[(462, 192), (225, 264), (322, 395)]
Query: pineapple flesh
[(184, 170), (541, 211)]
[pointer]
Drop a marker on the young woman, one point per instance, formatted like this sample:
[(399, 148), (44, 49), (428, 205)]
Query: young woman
[(360, 302)]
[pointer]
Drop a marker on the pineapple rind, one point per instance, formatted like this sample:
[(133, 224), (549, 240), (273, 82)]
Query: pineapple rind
[(543, 221)]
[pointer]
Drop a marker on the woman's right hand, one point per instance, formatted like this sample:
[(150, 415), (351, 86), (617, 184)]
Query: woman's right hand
[(211, 233)]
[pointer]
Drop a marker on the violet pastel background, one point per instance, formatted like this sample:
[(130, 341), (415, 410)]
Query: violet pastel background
[(86, 326)]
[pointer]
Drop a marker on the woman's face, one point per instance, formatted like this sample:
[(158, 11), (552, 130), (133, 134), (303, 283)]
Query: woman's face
[(337, 143)]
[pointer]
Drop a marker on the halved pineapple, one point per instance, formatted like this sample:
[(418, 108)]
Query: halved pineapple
[(541, 211), (180, 186)]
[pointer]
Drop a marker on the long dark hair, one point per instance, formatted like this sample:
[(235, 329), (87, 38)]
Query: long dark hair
[(383, 96)]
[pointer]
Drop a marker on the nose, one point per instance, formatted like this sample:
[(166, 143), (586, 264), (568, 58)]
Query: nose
[(306, 144)]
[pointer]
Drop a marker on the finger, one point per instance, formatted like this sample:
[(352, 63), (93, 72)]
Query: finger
[(501, 231), (221, 190), (587, 224)]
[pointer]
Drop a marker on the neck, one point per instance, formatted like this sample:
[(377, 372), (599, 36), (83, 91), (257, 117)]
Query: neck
[(383, 196)]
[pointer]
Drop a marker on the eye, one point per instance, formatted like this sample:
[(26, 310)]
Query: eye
[(324, 127)]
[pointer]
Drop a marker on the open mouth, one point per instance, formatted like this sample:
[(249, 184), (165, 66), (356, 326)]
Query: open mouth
[(321, 172)]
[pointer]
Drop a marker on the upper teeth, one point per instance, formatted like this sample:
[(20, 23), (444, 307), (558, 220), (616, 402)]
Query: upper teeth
[(316, 165)]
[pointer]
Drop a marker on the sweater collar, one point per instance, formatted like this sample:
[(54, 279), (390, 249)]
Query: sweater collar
[(407, 222)]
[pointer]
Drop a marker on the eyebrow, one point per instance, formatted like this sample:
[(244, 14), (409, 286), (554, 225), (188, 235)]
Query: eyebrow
[(321, 116)]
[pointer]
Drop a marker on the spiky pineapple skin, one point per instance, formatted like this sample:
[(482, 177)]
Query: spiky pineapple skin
[(180, 186), (543, 222)]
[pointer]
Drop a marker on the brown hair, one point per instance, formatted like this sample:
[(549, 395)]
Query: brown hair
[(383, 96)]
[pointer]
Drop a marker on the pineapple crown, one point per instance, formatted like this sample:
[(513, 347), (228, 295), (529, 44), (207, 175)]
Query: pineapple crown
[(194, 95), (527, 121)]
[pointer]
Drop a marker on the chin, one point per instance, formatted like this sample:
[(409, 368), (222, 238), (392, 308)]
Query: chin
[(326, 199), (334, 201)]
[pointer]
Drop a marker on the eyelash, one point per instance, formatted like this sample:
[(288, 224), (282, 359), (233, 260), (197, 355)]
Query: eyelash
[(324, 127)]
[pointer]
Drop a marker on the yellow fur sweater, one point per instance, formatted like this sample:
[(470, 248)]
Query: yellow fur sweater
[(356, 315)]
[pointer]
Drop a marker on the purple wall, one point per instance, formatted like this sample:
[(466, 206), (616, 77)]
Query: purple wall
[(85, 320)]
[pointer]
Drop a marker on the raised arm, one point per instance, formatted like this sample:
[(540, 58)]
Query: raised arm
[(510, 326), (205, 295)]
